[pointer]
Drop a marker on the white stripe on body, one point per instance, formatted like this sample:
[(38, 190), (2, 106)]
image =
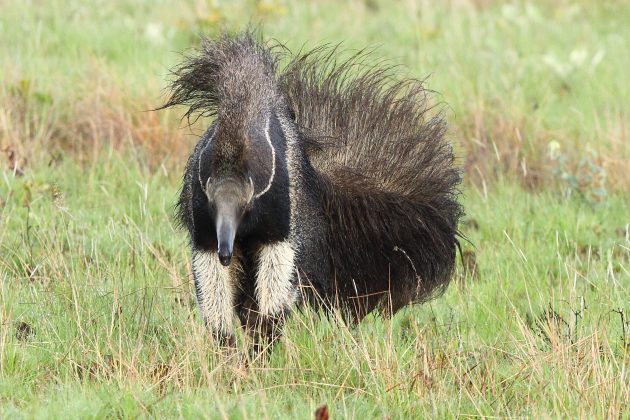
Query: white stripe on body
[(203, 187), (275, 285), (273, 161), (215, 286)]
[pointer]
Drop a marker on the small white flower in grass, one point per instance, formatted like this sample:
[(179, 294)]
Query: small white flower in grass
[(553, 149), (578, 57), (154, 32), (597, 58)]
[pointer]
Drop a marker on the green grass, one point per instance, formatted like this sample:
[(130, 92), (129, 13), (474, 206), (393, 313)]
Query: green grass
[(92, 264), (97, 314)]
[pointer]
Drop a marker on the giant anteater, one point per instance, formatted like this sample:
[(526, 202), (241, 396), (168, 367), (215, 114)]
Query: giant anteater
[(327, 182)]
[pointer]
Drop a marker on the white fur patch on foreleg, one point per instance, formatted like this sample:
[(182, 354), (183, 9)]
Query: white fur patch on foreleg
[(275, 288), (215, 286)]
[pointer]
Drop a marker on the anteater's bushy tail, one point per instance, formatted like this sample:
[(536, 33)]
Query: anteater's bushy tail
[(389, 171)]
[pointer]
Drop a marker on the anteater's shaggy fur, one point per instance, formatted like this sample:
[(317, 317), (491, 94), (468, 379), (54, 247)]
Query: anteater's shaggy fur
[(328, 181)]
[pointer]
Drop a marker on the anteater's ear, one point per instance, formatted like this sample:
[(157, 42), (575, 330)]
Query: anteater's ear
[(208, 188), (291, 113)]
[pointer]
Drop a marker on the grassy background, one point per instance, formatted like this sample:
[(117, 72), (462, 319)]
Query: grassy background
[(97, 314)]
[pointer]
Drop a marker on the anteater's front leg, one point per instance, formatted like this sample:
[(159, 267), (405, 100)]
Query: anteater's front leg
[(276, 290), (215, 288)]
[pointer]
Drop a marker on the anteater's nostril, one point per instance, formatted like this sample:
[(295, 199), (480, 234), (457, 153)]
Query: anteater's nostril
[(225, 259)]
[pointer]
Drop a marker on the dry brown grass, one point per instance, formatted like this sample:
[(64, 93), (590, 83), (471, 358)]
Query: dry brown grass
[(498, 147), (85, 128), (615, 155), (494, 146)]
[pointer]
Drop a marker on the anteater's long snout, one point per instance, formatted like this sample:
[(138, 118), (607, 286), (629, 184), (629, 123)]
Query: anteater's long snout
[(227, 219), (226, 225), (229, 199)]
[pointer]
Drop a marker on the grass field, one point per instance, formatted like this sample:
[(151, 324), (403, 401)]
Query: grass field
[(97, 314)]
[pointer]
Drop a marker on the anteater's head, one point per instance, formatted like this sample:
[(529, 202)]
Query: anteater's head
[(226, 179), (244, 175), (241, 166)]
